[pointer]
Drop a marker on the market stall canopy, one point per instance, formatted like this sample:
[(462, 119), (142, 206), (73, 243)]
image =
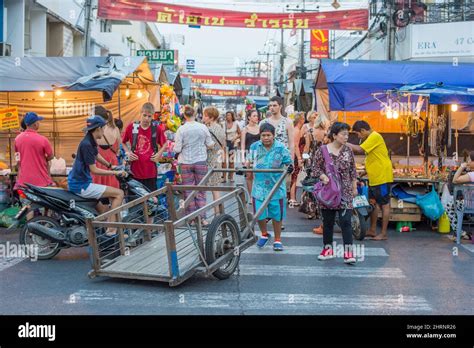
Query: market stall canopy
[(260, 102), (350, 83), (160, 74), (441, 94), (103, 74), (303, 87)]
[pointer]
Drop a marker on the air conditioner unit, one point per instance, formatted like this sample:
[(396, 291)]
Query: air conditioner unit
[(5, 49)]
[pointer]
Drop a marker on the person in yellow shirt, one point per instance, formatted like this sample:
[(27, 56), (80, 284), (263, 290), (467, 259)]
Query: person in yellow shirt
[(380, 173)]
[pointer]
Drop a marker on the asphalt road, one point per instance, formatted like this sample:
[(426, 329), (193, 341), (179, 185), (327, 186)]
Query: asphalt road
[(411, 273)]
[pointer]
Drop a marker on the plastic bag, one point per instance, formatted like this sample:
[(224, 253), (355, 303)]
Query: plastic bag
[(58, 166), (446, 197), (7, 216), (430, 205)]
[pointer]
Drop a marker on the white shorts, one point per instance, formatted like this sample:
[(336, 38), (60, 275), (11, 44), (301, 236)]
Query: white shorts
[(94, 191)]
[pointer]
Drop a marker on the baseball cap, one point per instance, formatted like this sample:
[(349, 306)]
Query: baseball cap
[(94, 122), (31, 117)]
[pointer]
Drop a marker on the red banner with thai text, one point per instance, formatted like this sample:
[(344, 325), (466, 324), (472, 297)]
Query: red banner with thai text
[(176, 14), (227, 80), (222, 92), (319, 44)]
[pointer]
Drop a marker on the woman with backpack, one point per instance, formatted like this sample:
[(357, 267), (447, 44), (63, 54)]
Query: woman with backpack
[(334, 165)]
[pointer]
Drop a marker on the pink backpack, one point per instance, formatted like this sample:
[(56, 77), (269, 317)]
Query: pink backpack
[(329, 195)]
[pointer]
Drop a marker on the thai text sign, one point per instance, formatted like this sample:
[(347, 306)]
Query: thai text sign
[(228, 80), (222, 92), (158, 56), (319, 44), (195, 16), (9, 118)]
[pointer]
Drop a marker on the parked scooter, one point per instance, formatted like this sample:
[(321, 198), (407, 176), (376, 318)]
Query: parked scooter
[(65, 225)]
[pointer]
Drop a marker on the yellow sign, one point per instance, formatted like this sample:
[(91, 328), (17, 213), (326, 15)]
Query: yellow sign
[(9, 118)]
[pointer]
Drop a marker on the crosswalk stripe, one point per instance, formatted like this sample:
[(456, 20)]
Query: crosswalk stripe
[(319, 271), (310, 250), (252, 301)]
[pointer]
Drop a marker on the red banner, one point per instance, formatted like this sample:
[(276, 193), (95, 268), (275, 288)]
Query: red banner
[(177, 14), (228, 80), (222, 92), (319, 44)]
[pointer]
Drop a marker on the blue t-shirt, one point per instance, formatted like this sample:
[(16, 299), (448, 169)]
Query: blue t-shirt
[(274, 158), (80, 175)]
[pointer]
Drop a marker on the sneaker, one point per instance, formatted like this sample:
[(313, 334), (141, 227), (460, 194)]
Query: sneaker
[(277, 246), (349, 257), (326, 254), (263, 240)]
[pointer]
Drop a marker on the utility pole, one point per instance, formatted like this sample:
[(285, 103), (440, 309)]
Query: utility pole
[(390, 31), (302, 69), (301, 60), (87, 27), (282, 59)]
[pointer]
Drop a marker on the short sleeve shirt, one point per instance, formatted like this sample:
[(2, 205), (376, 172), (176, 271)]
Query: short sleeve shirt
[(80, 176), (33, 149), (144, 167), (377, 162), (274, 158)]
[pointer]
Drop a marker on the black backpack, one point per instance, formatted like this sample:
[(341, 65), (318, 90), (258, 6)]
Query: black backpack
[(136, 126)]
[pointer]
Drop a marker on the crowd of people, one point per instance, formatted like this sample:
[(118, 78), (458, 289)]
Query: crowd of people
[(310, 146)]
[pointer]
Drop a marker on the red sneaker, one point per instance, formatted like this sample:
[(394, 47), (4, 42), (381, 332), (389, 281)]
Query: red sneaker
[(349, 257), (326, 254)]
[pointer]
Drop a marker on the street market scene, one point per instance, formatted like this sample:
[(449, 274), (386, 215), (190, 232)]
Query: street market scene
[(237, 157)]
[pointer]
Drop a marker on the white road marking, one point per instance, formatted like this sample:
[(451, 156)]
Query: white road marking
[(319, 271), (274, 302), (9, 262), (307, 250), (285, 235)]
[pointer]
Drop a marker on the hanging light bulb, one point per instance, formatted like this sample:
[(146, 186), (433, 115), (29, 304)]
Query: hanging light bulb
[(42, 94), (389, 114), (139, 94), (127, 92), (395, 114), (454, 107), (58, 92)]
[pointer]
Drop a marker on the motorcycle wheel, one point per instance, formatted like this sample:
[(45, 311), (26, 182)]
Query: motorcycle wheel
[(46, 248), (360, 225)]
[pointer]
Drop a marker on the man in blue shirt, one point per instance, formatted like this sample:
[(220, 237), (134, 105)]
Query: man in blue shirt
[(80, 180), (268, 153)]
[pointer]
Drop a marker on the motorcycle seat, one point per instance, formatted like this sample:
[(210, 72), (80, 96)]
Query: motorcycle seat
[(65, 195)]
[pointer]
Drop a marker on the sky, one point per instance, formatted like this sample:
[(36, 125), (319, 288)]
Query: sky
[(220, 51)]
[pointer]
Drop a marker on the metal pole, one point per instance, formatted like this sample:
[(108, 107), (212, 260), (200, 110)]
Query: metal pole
[(54, 124), (87, 27), (9, 135), (282, 59), (302, 73), (119, 109)]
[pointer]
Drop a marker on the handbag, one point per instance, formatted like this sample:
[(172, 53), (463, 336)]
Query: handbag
[(329, 195)]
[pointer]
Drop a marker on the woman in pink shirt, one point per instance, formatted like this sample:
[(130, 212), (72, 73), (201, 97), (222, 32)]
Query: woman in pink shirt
[(33, 152)]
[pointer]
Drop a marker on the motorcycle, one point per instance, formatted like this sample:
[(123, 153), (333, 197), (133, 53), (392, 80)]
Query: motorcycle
[(65, 224)]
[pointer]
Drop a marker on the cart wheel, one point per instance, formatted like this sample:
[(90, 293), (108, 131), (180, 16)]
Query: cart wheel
[(222, 237)]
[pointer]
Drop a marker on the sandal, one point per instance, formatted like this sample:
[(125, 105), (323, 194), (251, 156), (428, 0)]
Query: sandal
[(293, 204)]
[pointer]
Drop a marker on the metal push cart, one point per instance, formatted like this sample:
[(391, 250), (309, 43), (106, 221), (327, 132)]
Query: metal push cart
[(180, 246)]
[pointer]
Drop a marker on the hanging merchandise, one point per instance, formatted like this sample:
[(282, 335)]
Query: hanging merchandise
[(169, 107)]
